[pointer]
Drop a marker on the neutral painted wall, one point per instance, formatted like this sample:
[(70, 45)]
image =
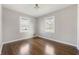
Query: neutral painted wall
[(0, 27), (36, 26), (11, 26), (78, 29), (66, 24)]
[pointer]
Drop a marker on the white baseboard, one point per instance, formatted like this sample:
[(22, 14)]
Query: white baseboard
[(17, 40), (59, 41), (38, 36), (13, 41)]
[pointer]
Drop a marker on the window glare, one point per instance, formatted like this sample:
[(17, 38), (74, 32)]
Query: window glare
[(49, 24), (25, 24)]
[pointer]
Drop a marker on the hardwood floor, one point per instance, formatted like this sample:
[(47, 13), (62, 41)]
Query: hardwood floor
[(38, 46)]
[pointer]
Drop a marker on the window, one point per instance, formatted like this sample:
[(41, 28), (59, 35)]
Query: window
[(25, 24), (50, 24)]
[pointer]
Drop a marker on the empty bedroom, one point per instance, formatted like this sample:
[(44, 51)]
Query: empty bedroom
[(38, 29)]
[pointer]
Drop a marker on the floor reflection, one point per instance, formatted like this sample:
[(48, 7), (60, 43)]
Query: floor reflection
[(49, 50), (38, 46), (25, 49)]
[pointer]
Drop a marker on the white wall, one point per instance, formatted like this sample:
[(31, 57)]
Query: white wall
[(11, 26), (36, 26), (78, 29), (66, 22), (65, 26), (0, 28)]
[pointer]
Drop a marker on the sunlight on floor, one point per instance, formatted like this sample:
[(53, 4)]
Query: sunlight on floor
[(49, 50), (25, 49)]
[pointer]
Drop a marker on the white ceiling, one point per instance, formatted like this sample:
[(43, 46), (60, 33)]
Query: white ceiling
[(30, 10)]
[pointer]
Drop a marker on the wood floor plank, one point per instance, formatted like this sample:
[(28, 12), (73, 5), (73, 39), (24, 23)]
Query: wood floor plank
[(38, 46)]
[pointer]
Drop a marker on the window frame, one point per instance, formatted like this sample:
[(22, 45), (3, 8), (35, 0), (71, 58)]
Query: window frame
[(29, 25), (52, 30)]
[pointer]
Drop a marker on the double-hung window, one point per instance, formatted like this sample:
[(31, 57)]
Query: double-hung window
[(49, 24), (25, 24)]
